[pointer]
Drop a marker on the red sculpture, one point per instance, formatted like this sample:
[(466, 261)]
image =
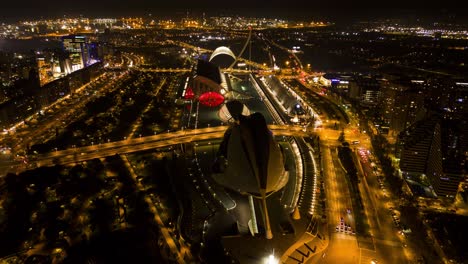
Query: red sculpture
[(211, 99)]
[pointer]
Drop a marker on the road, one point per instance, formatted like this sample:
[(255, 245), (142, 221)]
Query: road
[(298, 61), (344, 246), (73, 155), (385, 245), (387, 236), (386, 240)]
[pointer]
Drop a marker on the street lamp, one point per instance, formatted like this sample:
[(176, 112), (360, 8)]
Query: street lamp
[(271, 260)]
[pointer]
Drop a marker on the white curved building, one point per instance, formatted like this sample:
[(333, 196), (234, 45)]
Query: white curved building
[(253, 163), (223, 57)]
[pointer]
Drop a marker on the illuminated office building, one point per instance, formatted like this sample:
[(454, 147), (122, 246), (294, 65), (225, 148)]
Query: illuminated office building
[(435, 149), (402, 104), (76, 47)]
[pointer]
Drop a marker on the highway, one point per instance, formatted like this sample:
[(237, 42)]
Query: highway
[(299, 62), (132, 145), (181, 70)]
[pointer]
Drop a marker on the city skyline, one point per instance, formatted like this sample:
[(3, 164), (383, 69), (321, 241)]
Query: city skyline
[(358, 11)]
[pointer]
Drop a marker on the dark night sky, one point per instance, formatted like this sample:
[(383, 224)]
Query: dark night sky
[(323, 9)]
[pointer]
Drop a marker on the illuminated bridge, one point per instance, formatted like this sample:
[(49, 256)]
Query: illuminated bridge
[(165, 70), (132, 145)]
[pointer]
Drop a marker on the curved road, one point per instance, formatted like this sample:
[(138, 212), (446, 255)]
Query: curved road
[(132, 145)]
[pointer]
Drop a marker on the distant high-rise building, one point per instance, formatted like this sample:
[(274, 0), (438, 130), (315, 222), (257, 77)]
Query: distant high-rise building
[(449, 97), (81, 53), (402, 104), (365, 89), (447, 164), (41, 66), (76, 47), (415, 144), (436, 149)]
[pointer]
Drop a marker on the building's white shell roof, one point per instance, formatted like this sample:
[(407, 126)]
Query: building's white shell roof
[(222, 50)]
